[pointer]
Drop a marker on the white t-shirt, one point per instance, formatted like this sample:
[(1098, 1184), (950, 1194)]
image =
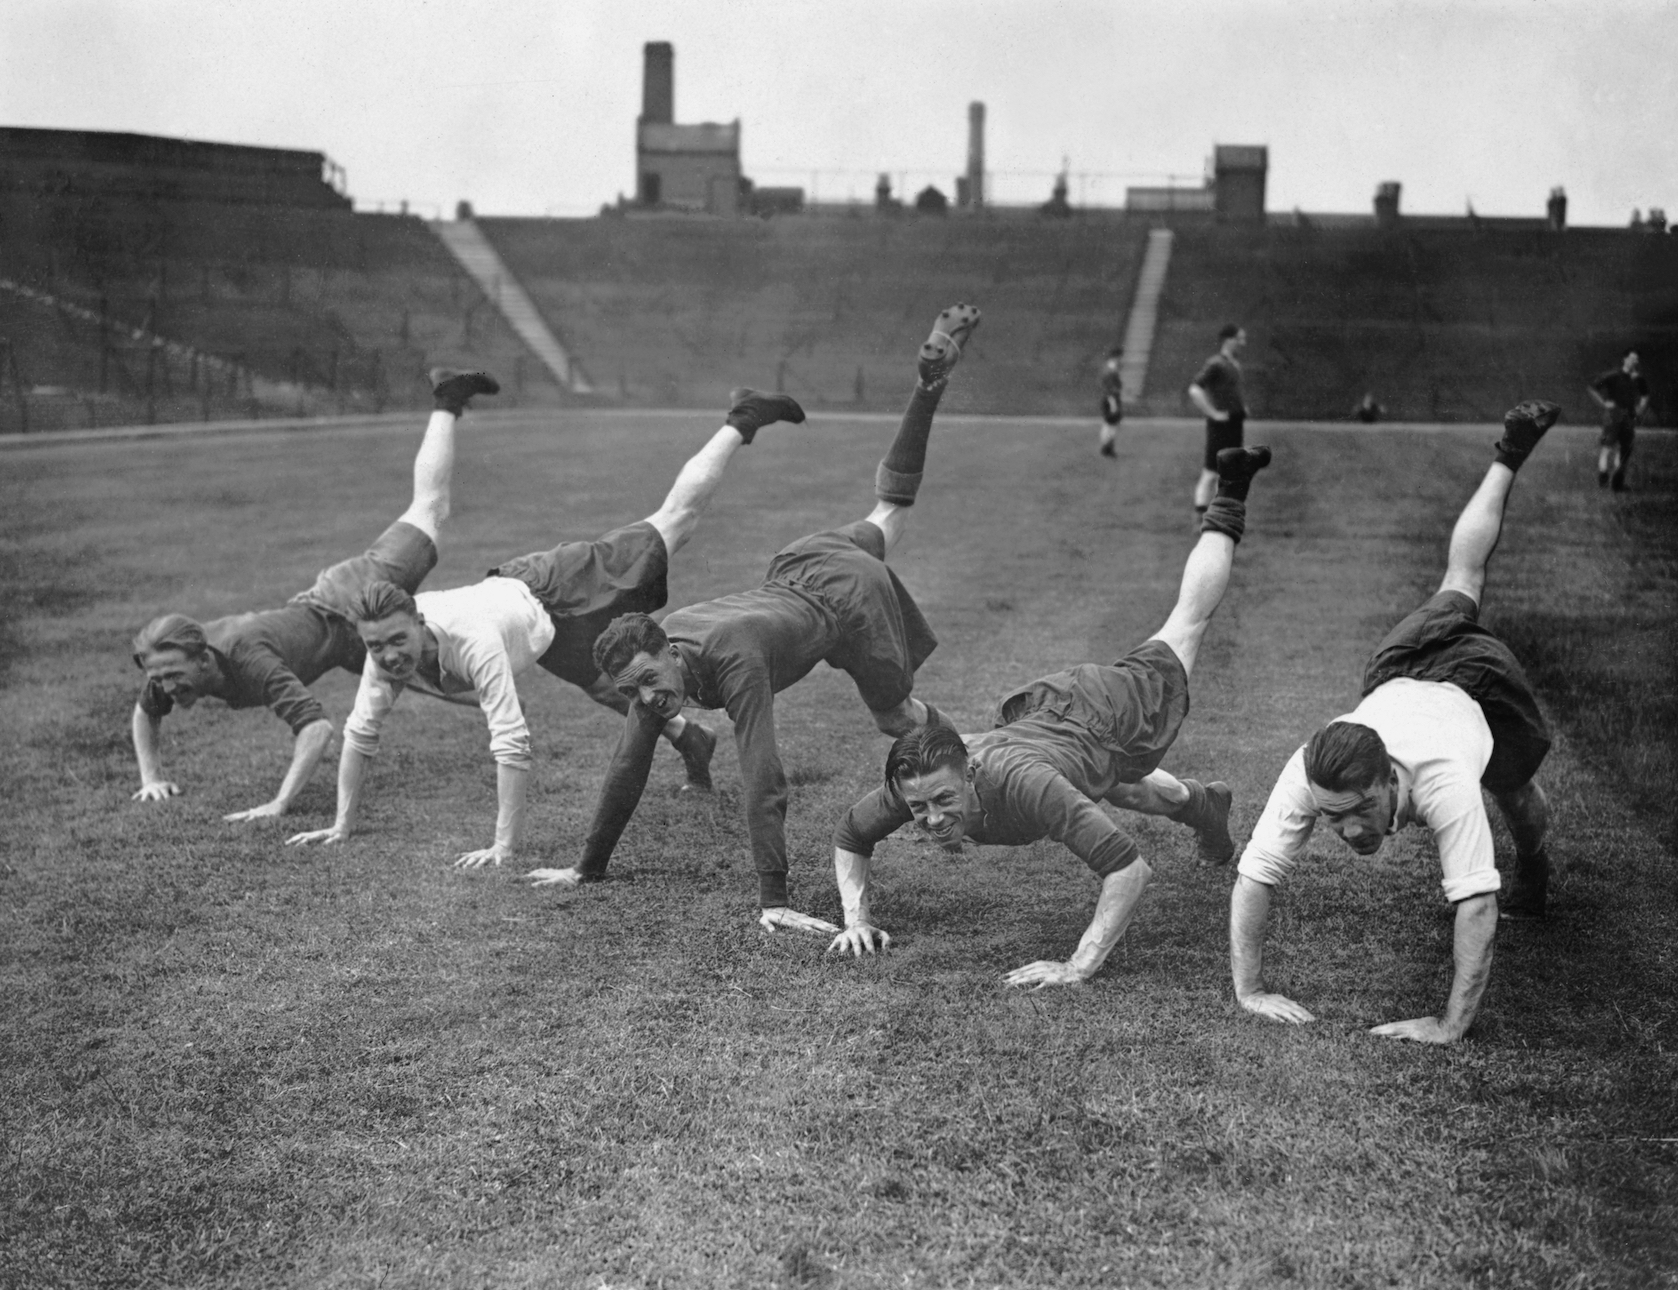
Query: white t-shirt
[(487, 634), (1439, 743)]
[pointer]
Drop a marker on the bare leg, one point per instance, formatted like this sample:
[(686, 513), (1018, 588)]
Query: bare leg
[(1476, 533), (695, 485), (433, 473), (1159, 793), (1205, 578), (1203, 807)]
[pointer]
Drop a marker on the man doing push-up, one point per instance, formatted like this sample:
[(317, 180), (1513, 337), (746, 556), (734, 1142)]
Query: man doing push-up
[(270, 658), (828, 597), (1061, 746)]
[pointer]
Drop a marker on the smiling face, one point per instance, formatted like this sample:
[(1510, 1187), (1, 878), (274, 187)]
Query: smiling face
[(184, 677), (1363, 818), (656, 680), (397, 643), (943, 803)]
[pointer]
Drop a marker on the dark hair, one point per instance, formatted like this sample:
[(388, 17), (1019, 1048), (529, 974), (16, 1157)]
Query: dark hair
[(1345, 757), (626, 636), (381, 600), (1227, 331), (171, 631), (922, 751)]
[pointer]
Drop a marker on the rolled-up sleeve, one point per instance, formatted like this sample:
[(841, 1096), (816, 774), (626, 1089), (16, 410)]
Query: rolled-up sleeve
[(870, 821), (1284, 828), (498, 695), (1456, 813), (373, 700)]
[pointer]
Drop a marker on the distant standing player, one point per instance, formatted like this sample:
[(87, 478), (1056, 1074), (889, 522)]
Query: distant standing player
[(1623, 394), (1112, 401), (1217, 393)]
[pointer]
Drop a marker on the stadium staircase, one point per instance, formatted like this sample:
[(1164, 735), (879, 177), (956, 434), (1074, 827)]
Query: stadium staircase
[(675, 311), (478, 258), (1144, 314)]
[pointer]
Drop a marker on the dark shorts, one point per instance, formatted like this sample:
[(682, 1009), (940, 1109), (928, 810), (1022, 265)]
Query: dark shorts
[(402, 554), (1134, 707), (584, 585), (1444, 641), (1619, 428), (883, 637), (1221, 435), (1112, 410)]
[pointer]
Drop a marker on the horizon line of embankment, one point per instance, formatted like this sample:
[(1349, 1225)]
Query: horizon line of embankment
[(410, 418)]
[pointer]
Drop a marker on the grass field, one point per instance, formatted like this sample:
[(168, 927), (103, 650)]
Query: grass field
[(225, 1063)]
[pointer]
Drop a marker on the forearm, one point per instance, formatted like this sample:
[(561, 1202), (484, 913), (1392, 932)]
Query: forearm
[(1475, 931), (1119, 893), (1249, 912), (620, 794), (307, 749), (511, 783), (352, 771), (850, 873), (146, 729), (1198, 397)]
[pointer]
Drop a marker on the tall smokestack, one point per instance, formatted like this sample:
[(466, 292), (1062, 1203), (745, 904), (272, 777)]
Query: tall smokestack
[(976, 153), (658, 82)]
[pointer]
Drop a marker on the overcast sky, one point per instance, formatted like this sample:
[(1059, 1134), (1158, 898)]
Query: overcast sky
[(528, 106)]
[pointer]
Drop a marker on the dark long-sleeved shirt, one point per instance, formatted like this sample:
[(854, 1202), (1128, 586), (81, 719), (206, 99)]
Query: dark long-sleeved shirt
[(739, 651), (1036, 778), (270, 658)]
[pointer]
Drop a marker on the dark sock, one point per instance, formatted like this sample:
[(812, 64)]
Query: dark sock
[(934, 717), (899, 477), (1511, 457), (1226, 515), (1191, 811)]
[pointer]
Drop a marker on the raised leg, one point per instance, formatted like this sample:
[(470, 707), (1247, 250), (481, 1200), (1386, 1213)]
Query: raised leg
[(698, 480), (451, 392), (1206, 575), (1475, 535), (898, 479), (1203, 807)]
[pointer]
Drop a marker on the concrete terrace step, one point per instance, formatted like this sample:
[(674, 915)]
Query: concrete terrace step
[(474, 253), (1144, 314)]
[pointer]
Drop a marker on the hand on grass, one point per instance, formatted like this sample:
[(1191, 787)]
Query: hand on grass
[(327, 836), (1045, 972), (1278, 1007), (781, 916), (157, 791), (860, 939), (267, 811), (555, 877), (478, 859), (1424, 1030)]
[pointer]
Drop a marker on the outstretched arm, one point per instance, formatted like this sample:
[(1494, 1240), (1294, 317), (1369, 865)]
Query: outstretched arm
[(1119, 893), (307, 749), (860, 936), (153, 787), (511, 783), (1249, 913), (352, 771), (626, 779), (1472, 949)]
